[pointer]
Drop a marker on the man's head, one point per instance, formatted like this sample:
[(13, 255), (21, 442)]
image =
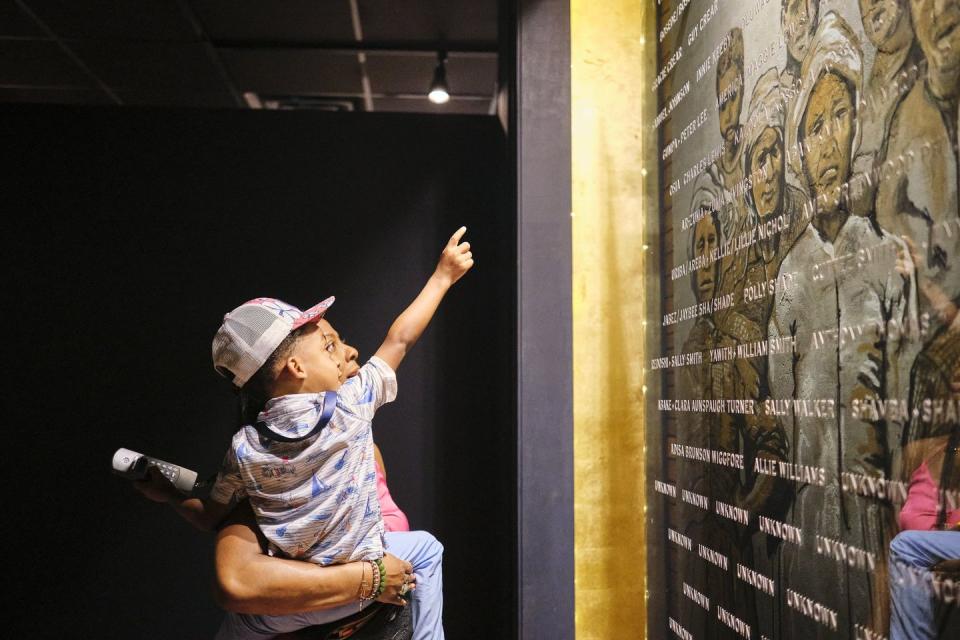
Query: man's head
[(730, 85), (798, 19), (937, 24), (826, 132), (887, 24)]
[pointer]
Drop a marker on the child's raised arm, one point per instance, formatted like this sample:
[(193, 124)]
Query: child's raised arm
[(455, 261)]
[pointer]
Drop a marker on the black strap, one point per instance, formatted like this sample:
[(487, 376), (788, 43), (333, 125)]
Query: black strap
[(329, 404)]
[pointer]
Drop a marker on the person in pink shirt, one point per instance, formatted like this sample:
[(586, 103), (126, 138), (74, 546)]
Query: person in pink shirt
[(935, 464), (929, 542), (393, 518)]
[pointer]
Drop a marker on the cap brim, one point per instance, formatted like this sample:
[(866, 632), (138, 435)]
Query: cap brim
[(313, 314)]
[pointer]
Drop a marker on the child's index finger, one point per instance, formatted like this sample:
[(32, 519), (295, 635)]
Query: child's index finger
[(455, 238)]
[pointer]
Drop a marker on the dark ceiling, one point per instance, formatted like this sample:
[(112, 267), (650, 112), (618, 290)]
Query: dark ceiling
[(362, 55)]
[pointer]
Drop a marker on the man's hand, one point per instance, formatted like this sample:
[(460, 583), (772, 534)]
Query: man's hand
[(456, 258), (156, 487), (952, 565), (399, 572)]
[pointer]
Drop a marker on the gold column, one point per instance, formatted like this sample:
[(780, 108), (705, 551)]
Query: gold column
[(612, 162)]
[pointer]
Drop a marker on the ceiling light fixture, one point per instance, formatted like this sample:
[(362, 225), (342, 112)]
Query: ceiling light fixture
[(439, 94)]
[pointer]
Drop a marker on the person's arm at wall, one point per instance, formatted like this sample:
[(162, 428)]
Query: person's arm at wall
[(248, 581), (455, 261)]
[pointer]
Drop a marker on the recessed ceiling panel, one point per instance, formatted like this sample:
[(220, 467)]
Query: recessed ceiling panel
[(144, 65), (38, 63), (115, 19), (269, 20), (298, 54), (472, 21), (294, 71), (169, 97)]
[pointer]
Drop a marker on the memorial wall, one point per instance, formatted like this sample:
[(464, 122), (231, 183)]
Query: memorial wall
[(803, 476)]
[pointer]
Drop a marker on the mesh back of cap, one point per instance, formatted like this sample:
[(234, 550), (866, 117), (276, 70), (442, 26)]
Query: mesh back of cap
[(238, 348), (250, 322), (225, 359)]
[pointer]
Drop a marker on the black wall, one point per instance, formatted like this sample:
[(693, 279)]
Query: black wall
[(130, 233)]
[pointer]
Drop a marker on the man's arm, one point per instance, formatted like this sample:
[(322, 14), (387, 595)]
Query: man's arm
[(248, 581), (455, 261), (203, 514)]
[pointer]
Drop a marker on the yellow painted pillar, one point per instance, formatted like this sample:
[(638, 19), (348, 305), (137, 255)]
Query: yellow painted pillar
[(612, 59)]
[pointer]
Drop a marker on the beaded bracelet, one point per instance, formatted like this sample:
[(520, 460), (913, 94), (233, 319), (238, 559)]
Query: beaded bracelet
[(378, 581), (383, 577)]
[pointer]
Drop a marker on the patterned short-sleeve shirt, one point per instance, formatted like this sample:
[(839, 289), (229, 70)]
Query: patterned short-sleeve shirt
[(315, 499)]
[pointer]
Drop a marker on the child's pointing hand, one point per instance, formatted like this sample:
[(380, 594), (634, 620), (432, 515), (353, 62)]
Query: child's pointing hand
[(455, 261), (456, 258)]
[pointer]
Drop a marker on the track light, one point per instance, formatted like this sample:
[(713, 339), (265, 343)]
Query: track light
[(439, 94)]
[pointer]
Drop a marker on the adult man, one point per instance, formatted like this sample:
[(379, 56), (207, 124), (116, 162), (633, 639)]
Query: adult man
[(249, 581)]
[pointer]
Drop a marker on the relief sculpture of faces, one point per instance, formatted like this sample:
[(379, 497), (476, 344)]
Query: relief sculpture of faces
[(730, 91), (886, 23), (767, 166), (799, 21), (937, 25), (706, 238), (826, 131)]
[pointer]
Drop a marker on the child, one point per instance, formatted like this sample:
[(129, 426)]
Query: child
[(307, 463)]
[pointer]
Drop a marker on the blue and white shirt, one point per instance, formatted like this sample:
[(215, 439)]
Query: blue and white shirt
[(315, 499)]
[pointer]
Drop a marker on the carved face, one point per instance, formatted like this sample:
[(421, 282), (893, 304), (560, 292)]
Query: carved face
[(937, 25), (705, 240), (730, 91), (827, 134), (884, 21), (766, 165), (799, 21)]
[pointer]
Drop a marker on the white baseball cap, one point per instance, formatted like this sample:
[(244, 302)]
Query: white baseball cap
[(252, 331)]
